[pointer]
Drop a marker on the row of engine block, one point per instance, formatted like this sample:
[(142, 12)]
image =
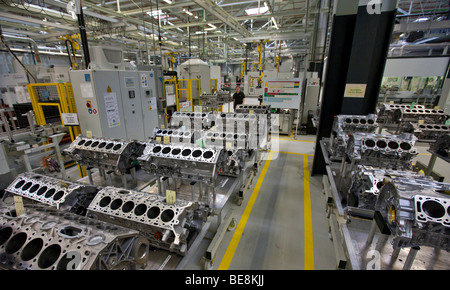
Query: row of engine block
[(375, 174), (72, 225)]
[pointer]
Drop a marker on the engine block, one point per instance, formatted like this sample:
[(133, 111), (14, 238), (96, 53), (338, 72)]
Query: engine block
[(257, 109), (66, 195), (344, 125), (111, 155), (367, 182), (416, 212), (428, 132), (165, 225), (182, 160), (384, 151), (45, 238), (385, 113)]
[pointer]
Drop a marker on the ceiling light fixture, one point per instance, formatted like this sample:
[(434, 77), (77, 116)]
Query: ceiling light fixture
[(257, 10)]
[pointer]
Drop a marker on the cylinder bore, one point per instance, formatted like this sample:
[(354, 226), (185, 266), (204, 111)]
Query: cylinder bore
[(109, 146), (95, 144), (88, 143), (140, 209), (393, 145), (186, 152), (371, 121), (81, 142), (128, 206), (104, 201), (50, 192), (34, 188), (176, 151), (15, 243), (32, 249), (117, 147), (101, 145), (5, 234), (167, 215), (27, 185), (49, 256), (117, 203), (166, 150), (19, 183), (369, 143), (208, 154), (405, 146), (156, 149), (433, 209), (58, 195), (197, 153), (381, 144), (153, 212)]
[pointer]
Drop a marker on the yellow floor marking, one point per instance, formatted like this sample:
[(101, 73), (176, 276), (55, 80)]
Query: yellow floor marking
[(226, 261), (309, 246)]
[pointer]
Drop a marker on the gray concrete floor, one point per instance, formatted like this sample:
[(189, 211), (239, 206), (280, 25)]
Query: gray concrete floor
[(283, 230)]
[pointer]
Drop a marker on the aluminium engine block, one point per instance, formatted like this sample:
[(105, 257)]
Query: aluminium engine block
[(343, 125), (384, 151), (257, 109), (181, 161), (107, 154), (62, 194), (442, 146), (427, 132), (165, 225), (45, 238), (385, 113), (402, 117), (417, 213), (367, 182)]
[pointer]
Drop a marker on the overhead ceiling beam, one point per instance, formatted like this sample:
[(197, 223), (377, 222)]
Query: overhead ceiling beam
[(224, 16)]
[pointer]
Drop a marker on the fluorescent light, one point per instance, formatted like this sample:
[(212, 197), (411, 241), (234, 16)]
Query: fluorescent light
[(154, 12), (235, 38), (212, 27), (187, 12), (257, 11), (275, 23), (168, 1)]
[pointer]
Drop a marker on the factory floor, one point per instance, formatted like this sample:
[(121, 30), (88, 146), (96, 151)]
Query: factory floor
[(282, 222)]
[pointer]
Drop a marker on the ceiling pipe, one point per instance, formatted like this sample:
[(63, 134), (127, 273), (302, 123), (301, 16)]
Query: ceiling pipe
[(25, 40)]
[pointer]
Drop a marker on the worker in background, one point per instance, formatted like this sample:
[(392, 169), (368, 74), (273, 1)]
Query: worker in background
[(238, 97)]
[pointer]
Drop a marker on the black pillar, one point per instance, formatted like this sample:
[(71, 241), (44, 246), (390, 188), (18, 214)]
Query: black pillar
[(357, 56), (373, 33), (343, 25)]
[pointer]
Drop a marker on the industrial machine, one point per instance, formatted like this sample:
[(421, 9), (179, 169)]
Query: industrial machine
[(116, 103)]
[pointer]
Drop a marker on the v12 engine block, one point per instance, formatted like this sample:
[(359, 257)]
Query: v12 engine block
[(62, 194), (428, 132), (256, 109), (417, 213), (165, 225), (384, 151), (182, 161), (111, 155), (45, 238)]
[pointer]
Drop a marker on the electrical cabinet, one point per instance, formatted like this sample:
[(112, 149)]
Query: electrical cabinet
[(116, 103)]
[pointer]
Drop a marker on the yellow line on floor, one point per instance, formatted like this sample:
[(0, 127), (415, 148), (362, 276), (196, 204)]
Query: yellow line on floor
[(287, 139), (295, 153), (309, 246), (226, 261)]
